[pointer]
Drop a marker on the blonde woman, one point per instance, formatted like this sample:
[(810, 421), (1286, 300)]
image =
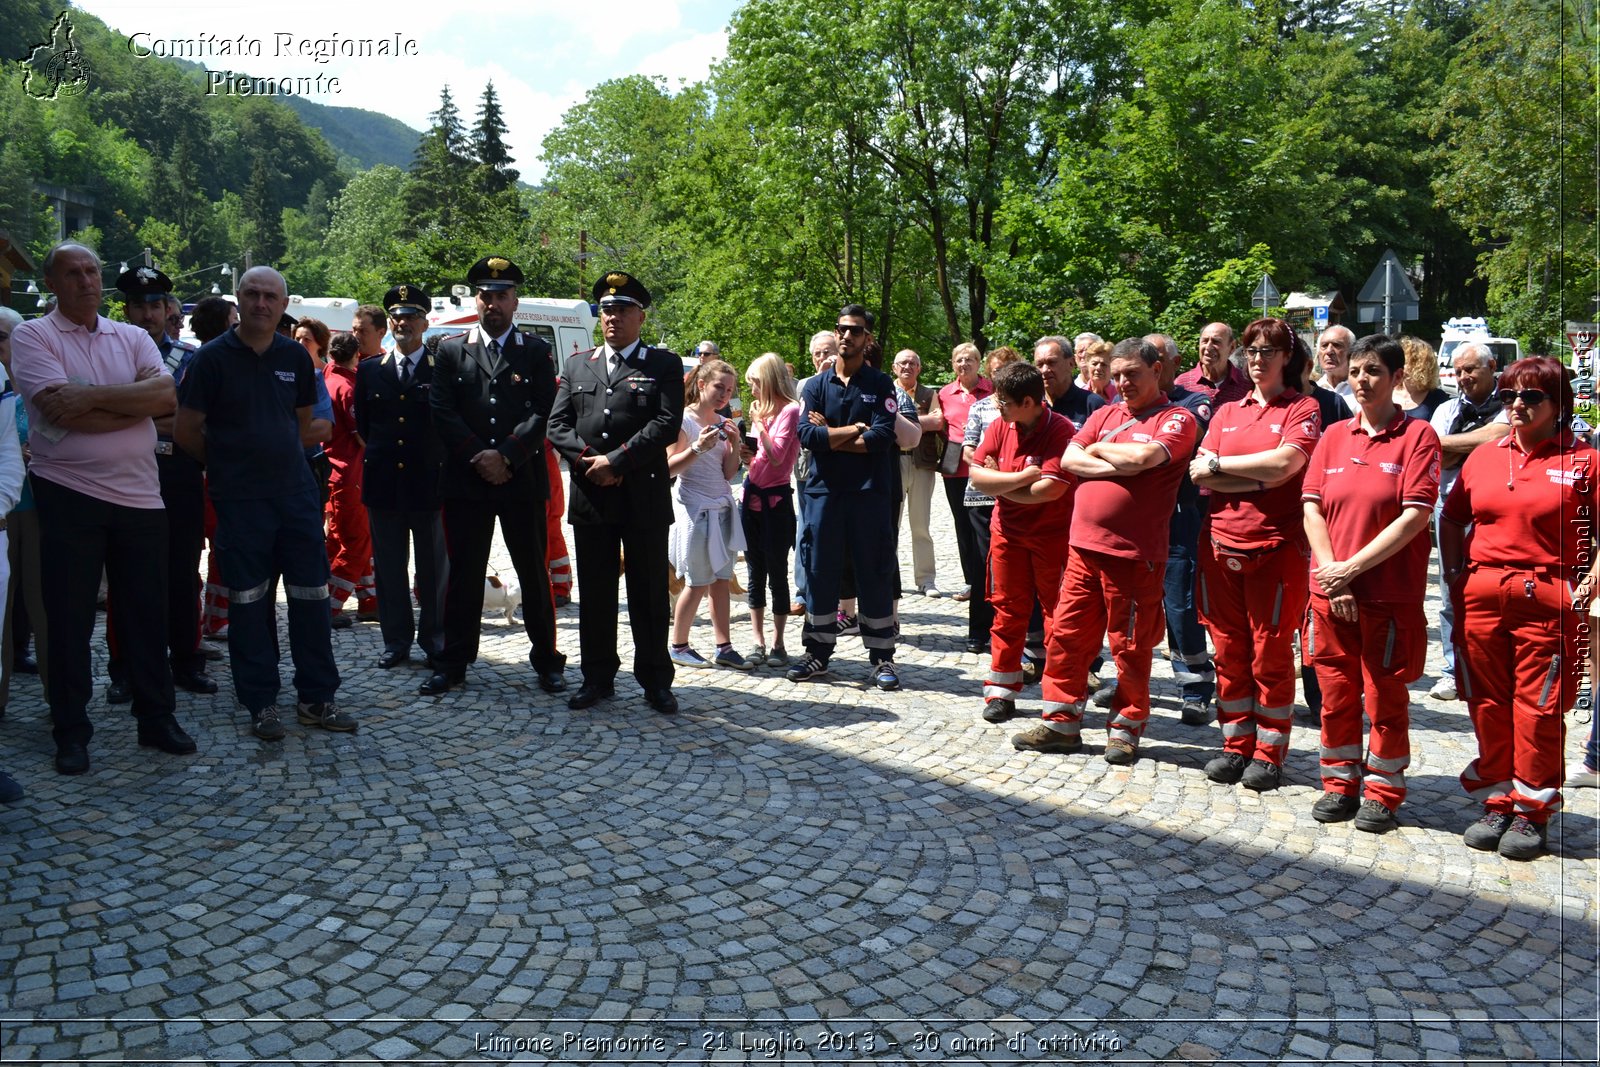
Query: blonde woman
[(1416, 391), (767, 514), (706, 535)]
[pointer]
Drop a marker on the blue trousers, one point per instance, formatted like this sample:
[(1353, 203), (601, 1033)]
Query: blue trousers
[(259, 541), (1186, 638), (860, 525)]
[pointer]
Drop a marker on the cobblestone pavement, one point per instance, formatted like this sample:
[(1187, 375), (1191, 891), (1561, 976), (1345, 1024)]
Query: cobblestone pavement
[(782, 873)]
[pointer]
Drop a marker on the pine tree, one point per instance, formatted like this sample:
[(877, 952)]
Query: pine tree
[(264, 212), (441, 173), (489, 146)]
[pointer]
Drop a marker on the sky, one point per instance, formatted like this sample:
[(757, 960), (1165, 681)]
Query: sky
[(543, 56)]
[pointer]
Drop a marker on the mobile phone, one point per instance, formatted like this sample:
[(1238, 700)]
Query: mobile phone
[(749, 441)]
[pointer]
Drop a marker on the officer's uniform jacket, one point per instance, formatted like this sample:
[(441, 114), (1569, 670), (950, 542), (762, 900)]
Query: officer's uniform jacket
[(631, 416), (481, 402), (403, 458)]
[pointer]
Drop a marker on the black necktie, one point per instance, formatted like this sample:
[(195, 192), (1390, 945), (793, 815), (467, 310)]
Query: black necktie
[(405, 371)]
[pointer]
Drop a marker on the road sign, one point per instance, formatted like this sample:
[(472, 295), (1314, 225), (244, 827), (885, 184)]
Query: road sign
[(1388, 296), (1319, 316), (1266, 294), (1581, 336)]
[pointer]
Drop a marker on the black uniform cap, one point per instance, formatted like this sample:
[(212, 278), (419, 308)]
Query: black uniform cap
[(620, 287), (404, 297), (143, 285), (493, 273)]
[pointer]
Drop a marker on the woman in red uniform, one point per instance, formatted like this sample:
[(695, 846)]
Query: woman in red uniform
[(1521, 580), (1252, 581), (1368, 494)]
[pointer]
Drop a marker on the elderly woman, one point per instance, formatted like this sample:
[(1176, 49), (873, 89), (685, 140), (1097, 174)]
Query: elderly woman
[(1095, 359), (1252, 584), (1368, 495), (979, 508), (1521, 581), (956, 400), (1417, 392), (706, 532)]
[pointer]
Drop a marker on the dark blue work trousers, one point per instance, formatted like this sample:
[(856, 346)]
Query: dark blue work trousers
[(860, 526)]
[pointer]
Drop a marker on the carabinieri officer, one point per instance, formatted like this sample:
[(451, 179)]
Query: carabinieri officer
[(492, 390), (617, 410)]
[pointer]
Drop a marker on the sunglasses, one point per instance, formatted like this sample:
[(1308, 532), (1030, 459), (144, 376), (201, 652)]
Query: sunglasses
[(846, 329), (1529, 397)]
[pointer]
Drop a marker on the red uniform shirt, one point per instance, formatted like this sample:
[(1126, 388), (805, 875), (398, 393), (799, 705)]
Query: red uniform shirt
[(343, 449), (1533, 508), (1128, 516), (1014, 451), (1363, 484), (1265, 517)]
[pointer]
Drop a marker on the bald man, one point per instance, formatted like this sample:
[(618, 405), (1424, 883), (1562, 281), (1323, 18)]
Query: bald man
[(245, 411)]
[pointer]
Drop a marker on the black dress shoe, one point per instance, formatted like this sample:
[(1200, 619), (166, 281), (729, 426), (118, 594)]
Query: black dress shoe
[(119, 693), (552, 682), (389, 660), (662, 700), (588, 695), (342, 620), (562, 600), (26, 665), (72, 757), (194, 682), (440, 682), (165, 734)]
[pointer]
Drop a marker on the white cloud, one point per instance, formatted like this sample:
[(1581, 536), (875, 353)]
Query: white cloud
[(687, 60)]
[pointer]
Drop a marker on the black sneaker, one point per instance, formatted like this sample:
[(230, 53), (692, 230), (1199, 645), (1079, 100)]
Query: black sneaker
[(1334, 807), (1374, 818), (999, 709), (849, 625), (807, 670), (1227, 768), (1523, 839), (886, 677), (267, 724), (1261, 776), (1196, 713), (326, 715), (1485, 834)]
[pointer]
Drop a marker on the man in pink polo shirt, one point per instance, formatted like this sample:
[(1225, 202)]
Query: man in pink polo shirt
[(92, 387), (1129, 459)]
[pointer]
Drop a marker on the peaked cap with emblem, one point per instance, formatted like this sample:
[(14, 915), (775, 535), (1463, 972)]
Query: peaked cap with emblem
[(142, 285), (406, 297), (493, 273), (620, 287)]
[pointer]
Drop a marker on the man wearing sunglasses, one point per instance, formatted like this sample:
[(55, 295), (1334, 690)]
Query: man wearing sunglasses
[(1473, 417), (847, 415)]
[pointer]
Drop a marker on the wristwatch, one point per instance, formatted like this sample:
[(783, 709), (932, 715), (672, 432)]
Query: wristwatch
[(1214, 464)]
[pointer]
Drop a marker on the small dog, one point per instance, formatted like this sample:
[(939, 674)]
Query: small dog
[(502, 594)]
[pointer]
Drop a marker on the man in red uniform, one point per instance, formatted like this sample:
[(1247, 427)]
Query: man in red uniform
[(557, 562), (1018, 462), (349, 539), (1129, 459)]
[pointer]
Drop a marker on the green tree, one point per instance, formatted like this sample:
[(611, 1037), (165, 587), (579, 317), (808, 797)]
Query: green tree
[(441, 173), (495, 174), (265, 213), (368, 218)]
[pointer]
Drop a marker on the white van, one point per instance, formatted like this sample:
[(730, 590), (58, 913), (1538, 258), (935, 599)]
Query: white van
[(1459, 331), (567, 326), (338, 313)]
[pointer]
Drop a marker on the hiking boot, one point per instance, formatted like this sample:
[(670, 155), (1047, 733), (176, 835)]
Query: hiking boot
[(1262, 776), (886, 677), (1523, 839), (267, 724), (1374, 818), (1227, 768), (325, 715), (809, 669), (1120, 753), (688, 657), (999, 709), (1196, 713), (1485, 834), (1334, 807), (729, 658), (1040, 738)]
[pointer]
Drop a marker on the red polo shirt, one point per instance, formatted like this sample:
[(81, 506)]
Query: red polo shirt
[(1127, 516), (1363, 484), (1014, 451), (344, 448), (1264, 517), (1532, 508), (956, 402)]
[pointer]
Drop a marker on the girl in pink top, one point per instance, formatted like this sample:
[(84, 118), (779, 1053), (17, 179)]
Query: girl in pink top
[(768, 511)]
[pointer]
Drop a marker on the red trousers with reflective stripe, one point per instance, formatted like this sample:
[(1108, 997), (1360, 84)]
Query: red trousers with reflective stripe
[(555, 553), (1019, 571), (1518, 658), (1113, 598), (1365, 666), (214, 599), (1252, 606), (349, 547)]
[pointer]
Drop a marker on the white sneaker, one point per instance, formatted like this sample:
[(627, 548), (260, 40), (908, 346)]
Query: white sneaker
[(1443, 689), (931, 590), (687, 657), (1582, 777)]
